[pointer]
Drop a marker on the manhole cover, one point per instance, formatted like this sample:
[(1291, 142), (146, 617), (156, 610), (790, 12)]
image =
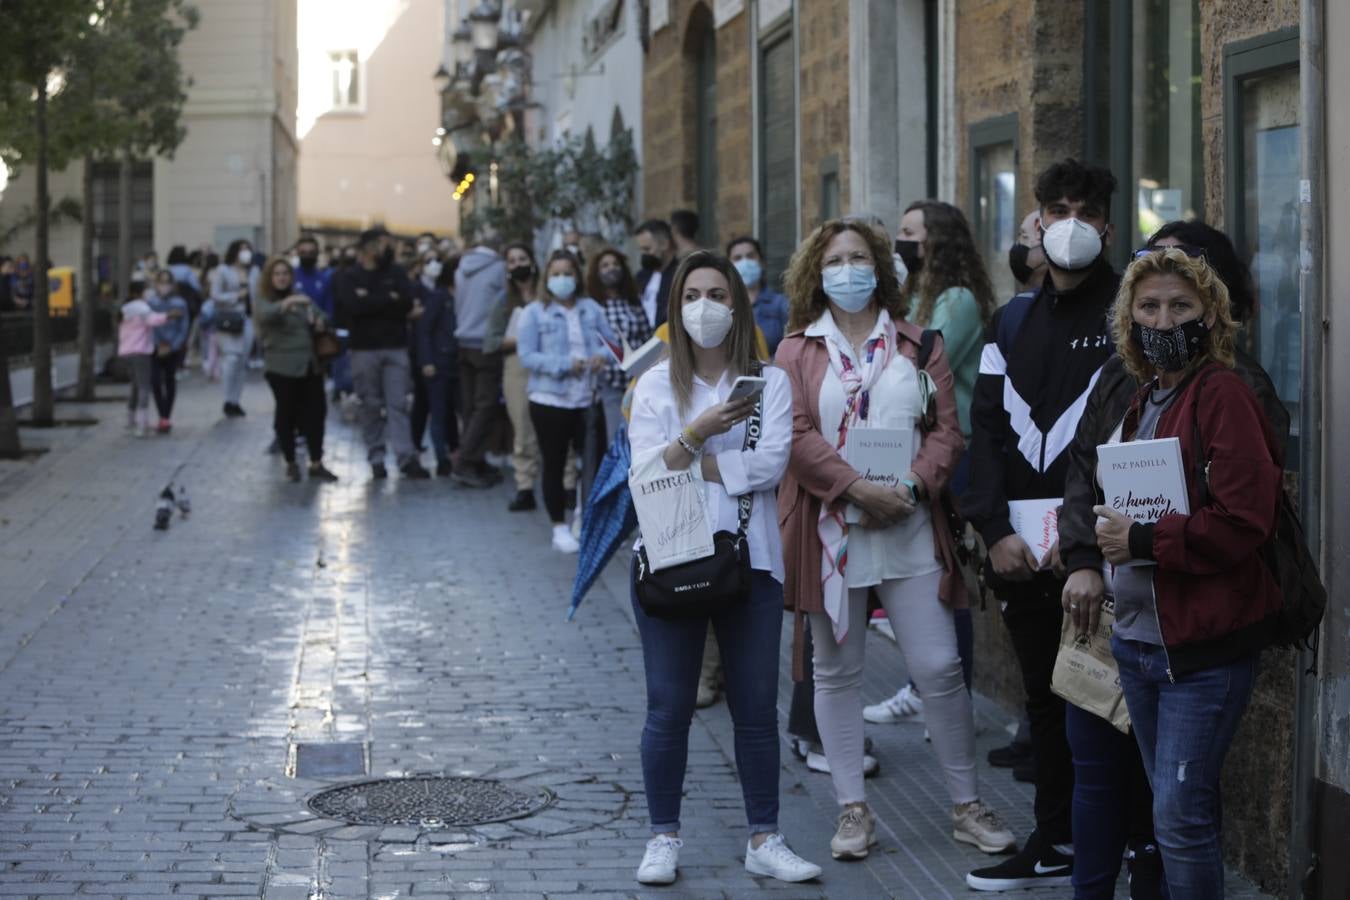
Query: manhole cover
[(429, 802)]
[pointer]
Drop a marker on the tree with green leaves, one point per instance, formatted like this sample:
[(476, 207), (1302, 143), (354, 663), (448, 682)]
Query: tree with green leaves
[(125, 99), (36, 47)]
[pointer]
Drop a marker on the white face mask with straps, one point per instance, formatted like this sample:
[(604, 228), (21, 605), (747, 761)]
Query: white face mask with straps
[(707, 321)]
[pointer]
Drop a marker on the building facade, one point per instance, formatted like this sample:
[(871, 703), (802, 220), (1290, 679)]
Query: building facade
[(752, 118), (367, 117)]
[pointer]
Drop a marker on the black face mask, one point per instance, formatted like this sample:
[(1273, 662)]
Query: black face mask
[(909, 252), (611, 278), (522, 273), (1174, 349), (649, 262), (1017, 262), (308, 263)]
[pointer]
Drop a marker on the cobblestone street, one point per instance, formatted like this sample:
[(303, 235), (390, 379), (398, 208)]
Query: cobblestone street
[(155, 687)]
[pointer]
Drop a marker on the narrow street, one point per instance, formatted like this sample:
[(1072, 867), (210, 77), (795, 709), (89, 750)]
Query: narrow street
[(166, 698)]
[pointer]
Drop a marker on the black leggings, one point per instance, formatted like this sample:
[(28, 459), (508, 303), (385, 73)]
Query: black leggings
[(164, 382), (557, 429), (302, 407)]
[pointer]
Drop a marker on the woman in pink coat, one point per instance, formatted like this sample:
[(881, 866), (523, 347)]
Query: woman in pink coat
[(852, 361)]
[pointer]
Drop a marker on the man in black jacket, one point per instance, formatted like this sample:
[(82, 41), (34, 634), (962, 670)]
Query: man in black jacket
[(656, 268), (375, 298), (1043, 353)]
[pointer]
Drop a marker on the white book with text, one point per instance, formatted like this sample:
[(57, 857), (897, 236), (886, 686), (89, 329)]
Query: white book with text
[(1036, 522), (1144, 480), (882, 456)]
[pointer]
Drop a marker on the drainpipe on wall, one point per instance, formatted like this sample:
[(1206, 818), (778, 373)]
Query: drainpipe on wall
[(1312, 82)]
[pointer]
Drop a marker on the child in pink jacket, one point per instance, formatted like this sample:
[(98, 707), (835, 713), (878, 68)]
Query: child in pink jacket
[(136, 344)]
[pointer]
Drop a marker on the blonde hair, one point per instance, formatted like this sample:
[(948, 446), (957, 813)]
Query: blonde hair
[(806, 295), (740, 343), (1213, 294)]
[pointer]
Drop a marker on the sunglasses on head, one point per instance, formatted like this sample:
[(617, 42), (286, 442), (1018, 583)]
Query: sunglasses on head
[(1190, 250)]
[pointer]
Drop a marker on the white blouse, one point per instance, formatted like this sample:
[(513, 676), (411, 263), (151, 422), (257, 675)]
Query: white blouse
[(904, 550), (656, 421)]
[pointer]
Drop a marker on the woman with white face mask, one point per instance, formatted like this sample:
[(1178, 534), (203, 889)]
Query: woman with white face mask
[(560, 345), (681, 410), (853, 362), (231, 320)]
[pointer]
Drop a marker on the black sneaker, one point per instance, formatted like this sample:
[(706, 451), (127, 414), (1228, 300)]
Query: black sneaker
[(292, 471), (233, 411), (414, 469), (1010, 756), (1025, 772), (378, 471), (1038, 865), (443, 469), (317, 472), (1145, 865), (468, 477), (523, 502)]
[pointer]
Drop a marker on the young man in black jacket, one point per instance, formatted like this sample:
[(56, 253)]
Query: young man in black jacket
[(1043, 354), (374, 299)]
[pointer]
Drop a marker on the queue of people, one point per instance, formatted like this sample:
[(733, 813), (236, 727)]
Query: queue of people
[(988, 405)]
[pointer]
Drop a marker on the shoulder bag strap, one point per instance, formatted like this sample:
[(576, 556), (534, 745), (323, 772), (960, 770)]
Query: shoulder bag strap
[(746, 501)]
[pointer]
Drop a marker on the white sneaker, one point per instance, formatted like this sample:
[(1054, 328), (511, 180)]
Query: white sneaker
[(975, 823), (905, 706), (817, 762), (660, 861), (775, 859), (563, 541)]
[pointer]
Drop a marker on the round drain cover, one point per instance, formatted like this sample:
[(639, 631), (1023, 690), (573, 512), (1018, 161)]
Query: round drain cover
[(429, 801)]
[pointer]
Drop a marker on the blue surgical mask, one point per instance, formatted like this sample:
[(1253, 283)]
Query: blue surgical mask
[(850, 286), (751, 271), (562, 286)]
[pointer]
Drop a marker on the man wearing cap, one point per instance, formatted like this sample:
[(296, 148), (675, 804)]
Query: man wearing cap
[(375, 298), (1043, 352)]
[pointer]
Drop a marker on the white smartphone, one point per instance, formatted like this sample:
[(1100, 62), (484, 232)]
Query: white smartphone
[(746, 386)]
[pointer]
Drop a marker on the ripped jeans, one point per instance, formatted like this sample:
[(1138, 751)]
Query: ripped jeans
[(1184, 731)]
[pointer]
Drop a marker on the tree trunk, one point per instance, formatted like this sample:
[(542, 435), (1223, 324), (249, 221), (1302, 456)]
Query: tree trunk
[(10, 448), (42, 325), (88, 288), (124, 265)]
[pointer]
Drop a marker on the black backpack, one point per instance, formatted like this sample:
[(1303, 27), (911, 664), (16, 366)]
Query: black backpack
[(1286, 554)]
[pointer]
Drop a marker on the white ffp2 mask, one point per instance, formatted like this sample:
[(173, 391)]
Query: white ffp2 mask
[(707, 321)]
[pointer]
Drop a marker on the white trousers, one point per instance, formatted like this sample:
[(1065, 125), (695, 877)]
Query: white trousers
[(923, 627)]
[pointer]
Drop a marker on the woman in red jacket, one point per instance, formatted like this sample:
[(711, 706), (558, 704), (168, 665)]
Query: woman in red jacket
[(1189, 627), (852, 362)]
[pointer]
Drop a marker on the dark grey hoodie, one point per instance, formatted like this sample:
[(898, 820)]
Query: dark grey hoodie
[(480, 293)]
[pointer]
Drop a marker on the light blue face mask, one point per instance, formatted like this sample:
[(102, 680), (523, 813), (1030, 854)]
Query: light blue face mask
[(751, 271), (851, 287), (562, 286)]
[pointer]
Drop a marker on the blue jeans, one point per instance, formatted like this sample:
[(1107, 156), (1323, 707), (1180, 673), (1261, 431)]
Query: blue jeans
[(1111, 802), (442, 395), (341, 371), (672, 654), (1184, 731)]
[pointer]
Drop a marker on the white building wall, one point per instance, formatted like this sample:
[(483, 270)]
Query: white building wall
[(240, 118)]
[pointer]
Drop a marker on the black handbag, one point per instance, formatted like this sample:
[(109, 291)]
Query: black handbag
[(229, 321), (704, 586)]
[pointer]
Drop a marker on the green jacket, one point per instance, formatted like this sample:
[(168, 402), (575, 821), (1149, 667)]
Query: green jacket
[(288, 341), (957, 316)]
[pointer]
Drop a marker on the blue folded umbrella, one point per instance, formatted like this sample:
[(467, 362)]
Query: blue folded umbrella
[(608, 519)]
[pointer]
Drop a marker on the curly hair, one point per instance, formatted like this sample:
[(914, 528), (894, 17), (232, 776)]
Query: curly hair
[(1202, 278), (949, 260), (627, 287), (806, 294), (739, 344), (265, 281)]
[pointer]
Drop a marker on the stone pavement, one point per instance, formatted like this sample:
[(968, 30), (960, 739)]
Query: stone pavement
[(154, 687)]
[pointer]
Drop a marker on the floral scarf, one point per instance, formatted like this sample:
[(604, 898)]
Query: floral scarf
[(857, 380)]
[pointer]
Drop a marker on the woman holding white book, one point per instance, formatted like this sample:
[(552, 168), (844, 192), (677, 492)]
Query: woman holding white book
[(1190, 621), (858, 518)]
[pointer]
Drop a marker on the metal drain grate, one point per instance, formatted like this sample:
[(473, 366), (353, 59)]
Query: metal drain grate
[(429, 802)]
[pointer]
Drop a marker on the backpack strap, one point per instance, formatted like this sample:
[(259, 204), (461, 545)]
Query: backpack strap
[(926, 343)]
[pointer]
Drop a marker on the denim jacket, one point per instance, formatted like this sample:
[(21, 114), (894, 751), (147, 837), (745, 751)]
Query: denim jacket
[(543, 346)]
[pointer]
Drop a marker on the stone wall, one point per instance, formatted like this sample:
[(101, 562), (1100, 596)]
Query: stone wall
[(823, 87)]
